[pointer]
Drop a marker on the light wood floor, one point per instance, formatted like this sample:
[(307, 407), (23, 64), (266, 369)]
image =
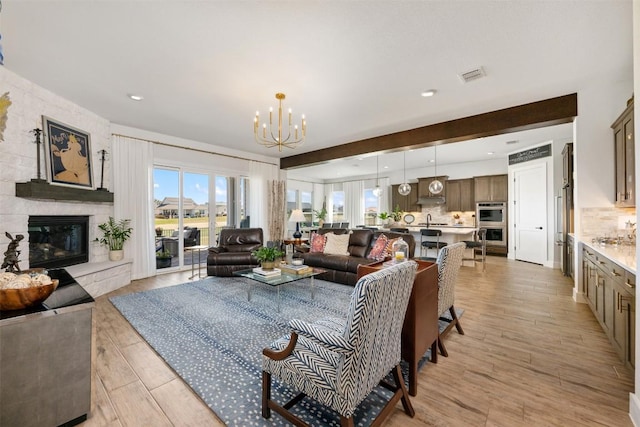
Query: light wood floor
[(530, 356)]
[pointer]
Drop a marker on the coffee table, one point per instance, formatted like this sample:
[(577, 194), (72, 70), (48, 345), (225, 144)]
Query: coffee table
[(278, 281)]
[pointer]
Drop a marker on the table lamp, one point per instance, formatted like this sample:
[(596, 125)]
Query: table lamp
[(297, 216)]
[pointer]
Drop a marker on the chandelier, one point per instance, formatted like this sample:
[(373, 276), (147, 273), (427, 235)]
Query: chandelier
[(435, 187), (268, 138)]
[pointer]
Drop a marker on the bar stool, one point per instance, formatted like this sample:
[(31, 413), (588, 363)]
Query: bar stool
[(399, 230), (430, 244), (479, 242)]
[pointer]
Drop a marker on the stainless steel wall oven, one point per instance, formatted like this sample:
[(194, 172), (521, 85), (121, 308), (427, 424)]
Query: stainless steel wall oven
[(493, 217)]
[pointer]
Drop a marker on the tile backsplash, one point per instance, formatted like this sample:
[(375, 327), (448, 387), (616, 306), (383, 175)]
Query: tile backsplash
[(605, 222), (439, 214)]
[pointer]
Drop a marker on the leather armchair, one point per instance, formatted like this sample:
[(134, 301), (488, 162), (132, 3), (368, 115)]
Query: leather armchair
[(233, 252)]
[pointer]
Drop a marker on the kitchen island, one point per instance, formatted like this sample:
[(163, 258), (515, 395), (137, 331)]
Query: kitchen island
[(450, 234)]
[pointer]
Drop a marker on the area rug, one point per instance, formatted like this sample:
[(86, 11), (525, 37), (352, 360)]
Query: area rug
[(213, 337)]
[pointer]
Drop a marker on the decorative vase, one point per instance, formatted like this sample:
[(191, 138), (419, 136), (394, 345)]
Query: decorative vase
[(163, 262), (400, 251), (268, 265), (116, 255)]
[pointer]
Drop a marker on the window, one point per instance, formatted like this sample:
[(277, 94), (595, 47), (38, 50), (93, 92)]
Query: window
[(306, 204), (371, 207), (292, 201), (222, 201), (337, 199)]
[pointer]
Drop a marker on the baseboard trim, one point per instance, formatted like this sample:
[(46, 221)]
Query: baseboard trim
[(579, 296), (634, 409)]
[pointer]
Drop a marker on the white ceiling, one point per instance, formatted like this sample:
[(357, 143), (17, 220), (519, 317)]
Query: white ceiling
[(355, 68)]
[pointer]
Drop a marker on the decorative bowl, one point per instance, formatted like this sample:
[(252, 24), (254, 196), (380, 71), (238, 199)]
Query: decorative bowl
[(17, 299), (297, 261)]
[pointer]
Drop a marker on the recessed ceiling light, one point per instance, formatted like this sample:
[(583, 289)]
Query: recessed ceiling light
[(386, 167), (432, 161), (490, 153), (135, 97), (428, 93)]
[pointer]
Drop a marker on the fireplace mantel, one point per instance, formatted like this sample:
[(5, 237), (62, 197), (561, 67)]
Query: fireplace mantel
[(43, 190)]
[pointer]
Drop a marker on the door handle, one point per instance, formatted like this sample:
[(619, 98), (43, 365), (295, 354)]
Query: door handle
[(538, 228)]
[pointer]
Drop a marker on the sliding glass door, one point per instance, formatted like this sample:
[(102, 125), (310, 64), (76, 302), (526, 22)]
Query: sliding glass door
[(181, 216), (187, 214)]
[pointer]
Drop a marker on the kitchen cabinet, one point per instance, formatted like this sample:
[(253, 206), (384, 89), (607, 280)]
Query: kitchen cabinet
[(571, 257), (491, 188), (423, 187), (625, 168), (460, 195), (407, 203), (610, 293)]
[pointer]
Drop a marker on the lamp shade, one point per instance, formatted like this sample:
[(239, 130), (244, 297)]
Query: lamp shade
[(297, 216)]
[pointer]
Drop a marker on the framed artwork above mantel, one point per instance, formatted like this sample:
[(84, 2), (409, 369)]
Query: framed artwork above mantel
[(68, 154)]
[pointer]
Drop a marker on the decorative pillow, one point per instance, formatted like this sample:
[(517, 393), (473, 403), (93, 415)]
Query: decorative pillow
[(337, 244), (317, 242), (378, 251), (388, 250)]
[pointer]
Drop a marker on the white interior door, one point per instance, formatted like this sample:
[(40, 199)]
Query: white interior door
[(530, 225)]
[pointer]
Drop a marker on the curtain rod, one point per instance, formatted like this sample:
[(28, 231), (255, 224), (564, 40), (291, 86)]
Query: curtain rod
[(193, 149)]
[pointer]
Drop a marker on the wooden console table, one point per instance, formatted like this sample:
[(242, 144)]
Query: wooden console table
[(420, 328)]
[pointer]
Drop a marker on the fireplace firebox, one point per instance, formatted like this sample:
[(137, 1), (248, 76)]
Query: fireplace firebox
[(58, 241)]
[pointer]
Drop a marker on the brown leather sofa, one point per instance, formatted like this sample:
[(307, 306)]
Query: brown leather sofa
[(344, 268), (233, 252)]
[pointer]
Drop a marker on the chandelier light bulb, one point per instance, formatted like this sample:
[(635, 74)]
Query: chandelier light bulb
[(377, 191)]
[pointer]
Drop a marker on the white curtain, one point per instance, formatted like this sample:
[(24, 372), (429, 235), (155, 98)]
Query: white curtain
[(328, 190), (385, 199), (259, 174), (354, 202), (132, 167), (277, 202)]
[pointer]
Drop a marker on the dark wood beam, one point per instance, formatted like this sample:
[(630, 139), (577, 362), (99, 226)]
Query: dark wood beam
[(549, 112)]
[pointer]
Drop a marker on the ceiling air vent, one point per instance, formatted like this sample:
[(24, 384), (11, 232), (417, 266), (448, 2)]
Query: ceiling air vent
[(472, 75)]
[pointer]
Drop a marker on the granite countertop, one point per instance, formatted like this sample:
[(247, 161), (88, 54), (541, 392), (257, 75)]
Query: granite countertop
[(446, 229), (623, 255)]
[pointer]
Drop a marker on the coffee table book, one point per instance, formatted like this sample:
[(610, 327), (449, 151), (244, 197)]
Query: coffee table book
[(267, 273), (295, 269)]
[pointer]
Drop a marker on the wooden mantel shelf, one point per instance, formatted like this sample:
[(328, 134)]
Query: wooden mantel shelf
[(43, 190)]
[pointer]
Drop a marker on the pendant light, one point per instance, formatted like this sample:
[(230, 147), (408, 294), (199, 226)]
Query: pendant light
[(435, 186), (377, 191), (404, 189)]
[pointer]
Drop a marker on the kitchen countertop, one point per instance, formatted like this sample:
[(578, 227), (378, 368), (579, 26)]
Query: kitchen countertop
[(446, 229), (623, 255)]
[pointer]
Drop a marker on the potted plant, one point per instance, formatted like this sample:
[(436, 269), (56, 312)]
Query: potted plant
[(397, 214), (384, 217), (267, 256), (115, 233), (158, 231), (163, 259), (321, 215)]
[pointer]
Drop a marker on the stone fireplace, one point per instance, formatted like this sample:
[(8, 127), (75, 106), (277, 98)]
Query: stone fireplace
[(58, 241)]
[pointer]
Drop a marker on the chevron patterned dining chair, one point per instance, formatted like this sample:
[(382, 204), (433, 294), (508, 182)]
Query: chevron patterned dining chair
[(449, 262), (338, 362)]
